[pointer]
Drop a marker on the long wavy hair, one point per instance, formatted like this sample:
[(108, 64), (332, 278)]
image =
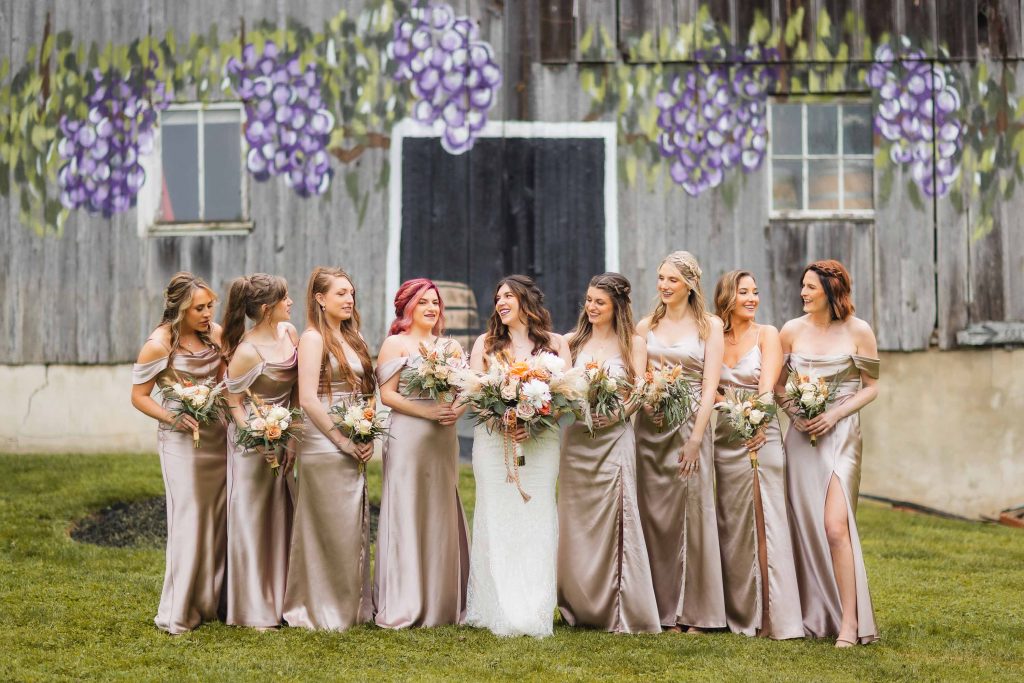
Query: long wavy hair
[(837, 284), (689, 270), (320, 281), (407, 297), (177, 300), (725, 295), (618, 289), (252, 297), (531, 305)]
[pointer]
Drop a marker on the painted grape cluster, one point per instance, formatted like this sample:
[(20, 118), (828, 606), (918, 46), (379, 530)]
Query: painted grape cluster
[(713, 117), (452, 75), (918, 110), (101, 171), (287, 127)]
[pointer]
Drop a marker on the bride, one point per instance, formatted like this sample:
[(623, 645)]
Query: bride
[(512, 565)]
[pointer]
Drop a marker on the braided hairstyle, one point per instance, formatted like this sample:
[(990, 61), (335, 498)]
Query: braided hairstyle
[(689, 270), (177, 300), (252, 297), (837, 285), (618, 288)]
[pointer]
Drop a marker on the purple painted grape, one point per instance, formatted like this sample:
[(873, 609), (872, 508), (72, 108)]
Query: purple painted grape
[(452, 75)]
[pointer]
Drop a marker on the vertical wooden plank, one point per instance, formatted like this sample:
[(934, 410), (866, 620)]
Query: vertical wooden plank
[(846, 29), (917, 21), (957, 27), (10, 286), (595, 31), (746, 13), (638, 30), (675, 29), (999, 27), (880, 20), (557, 31)]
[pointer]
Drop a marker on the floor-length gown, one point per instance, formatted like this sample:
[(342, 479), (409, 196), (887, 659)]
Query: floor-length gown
[(328, 585), (737, 526), (678, 515), (195, 485), (259, 507), (604, 574), (809, 471), (422, 560)]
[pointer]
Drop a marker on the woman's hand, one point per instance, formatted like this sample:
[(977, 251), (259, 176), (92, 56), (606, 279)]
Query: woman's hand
[(288, 460), (822, 424), (800, 423), (689, 459), (442, 413), (184, 423), (363, 451), (602, 421), (656, 416), (520, 434), (755, 442)]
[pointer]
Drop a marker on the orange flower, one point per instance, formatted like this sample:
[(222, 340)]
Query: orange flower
[(592, 365), (648, 376), (368, 413), (273, 432), (541, 374), (519, 370)]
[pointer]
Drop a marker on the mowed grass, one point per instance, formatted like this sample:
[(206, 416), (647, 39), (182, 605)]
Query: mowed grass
[(949, 597)]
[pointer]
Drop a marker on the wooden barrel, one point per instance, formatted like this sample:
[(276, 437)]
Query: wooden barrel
[(462, 321)]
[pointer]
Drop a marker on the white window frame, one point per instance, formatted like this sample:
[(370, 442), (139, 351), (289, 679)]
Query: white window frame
[(804, 157), (148, 206)]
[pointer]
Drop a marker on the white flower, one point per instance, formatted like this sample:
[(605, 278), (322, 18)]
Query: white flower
[(258, 425), (467, 380), (756, 417), (804, 387), (198, 400), (442, 372), (284, 425), (610, 384), (178, 389), (364, 427), (550, 362), (536, 392), (509, 391), (271, 422), (278, 413), (525, 411)]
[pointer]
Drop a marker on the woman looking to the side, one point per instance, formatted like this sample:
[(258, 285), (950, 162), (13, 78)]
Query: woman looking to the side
[(186, 345)]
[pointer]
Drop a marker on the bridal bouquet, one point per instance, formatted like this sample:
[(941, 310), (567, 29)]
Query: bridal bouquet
[(431, 375), (669, 391), (811, 395), (529, 394), (608, 392), (746, 413), (204, 401), (359, 421), (269, 427)]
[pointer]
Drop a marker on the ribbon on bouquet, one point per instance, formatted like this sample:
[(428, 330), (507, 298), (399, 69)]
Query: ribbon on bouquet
[(511, 452)]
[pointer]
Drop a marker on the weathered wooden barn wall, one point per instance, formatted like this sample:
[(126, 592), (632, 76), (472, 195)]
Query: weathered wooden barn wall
[(923, 270)]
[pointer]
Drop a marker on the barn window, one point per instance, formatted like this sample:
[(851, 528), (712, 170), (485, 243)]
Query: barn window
[(199, 171), (821, 158)]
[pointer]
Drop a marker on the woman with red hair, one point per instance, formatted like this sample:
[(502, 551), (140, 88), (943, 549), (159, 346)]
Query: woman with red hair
[(422, 547), (823, 478)]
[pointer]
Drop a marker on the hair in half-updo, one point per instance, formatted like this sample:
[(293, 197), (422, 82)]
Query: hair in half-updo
[(320, 281), (689, 270), (837, 285), (177, 300), (531, 306), (252, 297), (406, 298), (618, 288)]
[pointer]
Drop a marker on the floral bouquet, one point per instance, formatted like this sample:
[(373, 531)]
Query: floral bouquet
[(204, 401), (608, 392), (359, 421), (269, 427), (530, 394), (747, 412), (811, 395), (431, 375), (669, 391)]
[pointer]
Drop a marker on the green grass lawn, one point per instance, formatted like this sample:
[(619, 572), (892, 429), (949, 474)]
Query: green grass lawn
[(949, 598)]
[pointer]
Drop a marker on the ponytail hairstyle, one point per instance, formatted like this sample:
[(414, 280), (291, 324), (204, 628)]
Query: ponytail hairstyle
[(725, 295), (531, 305), (689, 270), (177, 300), (618, 288), (838, 286), (407, 297), (320, 281), (252, 297)]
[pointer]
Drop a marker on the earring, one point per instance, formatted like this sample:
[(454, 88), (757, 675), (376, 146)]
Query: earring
[(322, 308)]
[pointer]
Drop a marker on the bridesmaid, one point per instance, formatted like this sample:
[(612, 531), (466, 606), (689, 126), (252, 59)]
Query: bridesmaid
[(187, 344), (676, 486), (761, 594), (422, 561), (604, 575), (329, 565), (264, 362), (823, 480)]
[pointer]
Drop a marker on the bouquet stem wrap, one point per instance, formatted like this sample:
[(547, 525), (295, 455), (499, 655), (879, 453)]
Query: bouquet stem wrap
[(511, 449)]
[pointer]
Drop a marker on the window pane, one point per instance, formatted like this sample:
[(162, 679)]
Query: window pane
[(222, 170), (823, 185), (179, 145), (822, 129), (857, 183), (857, 129), (786, 129), (787, 184)]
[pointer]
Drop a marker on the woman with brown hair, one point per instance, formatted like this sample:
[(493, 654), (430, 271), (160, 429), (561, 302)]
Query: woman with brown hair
[(761, 594), (512, 587), (328, 583), (823, 479), (186, 345), (604, 575), (675, 467), (262, 365)]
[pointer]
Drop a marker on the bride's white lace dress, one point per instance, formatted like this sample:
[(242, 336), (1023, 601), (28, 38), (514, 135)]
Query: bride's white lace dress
[(512, 589)]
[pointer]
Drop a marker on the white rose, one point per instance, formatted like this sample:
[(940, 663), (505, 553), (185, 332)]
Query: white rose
[(610, 384), (807, 386), (536, 392), (258, 425), (550, 362), (791, 387), (756, 417), (278, 413), (364, 427), (525, 411), (199, 400), (284, 425), (509, 391), (178, 389)]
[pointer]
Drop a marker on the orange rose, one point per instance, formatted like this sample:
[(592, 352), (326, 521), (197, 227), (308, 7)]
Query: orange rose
[(592, 365), (519, 370), (368, 414), (541, 374), (648, 376), (273, 432)]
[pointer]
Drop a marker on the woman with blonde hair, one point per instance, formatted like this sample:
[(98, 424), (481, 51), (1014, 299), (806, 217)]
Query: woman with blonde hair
[(675, 475), (186, 345)]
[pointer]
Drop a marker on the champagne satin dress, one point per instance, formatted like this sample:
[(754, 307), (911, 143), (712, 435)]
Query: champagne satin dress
[(809, 470), (259, 508), (422, 560), (737, 526), (678, 515), (195, 485), (604, 574), (328, 585)]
